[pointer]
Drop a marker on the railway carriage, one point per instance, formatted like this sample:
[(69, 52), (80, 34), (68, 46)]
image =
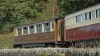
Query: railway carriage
[(42, 33), (83, 26), (79, 27)]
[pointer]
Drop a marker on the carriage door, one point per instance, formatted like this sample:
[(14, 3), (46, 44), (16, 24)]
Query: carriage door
[(60, 30)]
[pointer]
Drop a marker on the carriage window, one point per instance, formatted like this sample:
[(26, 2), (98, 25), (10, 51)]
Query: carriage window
[(88, 16), (31, 29), (19, 32), (25, 30), (93, 14), (46, 27), (98, 13), (39, 28), (52, 25), (82, 17), (78, 18)]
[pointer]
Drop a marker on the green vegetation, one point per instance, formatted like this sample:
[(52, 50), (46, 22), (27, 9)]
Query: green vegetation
[(19, 12), (69, 6), (6, 41)]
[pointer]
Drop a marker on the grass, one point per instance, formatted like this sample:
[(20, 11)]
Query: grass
[(6, 41)]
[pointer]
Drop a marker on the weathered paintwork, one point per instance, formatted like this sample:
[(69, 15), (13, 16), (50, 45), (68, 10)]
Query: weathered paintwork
[(83, 33)]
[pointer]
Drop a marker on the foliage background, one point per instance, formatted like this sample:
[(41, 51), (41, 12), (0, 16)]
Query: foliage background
[(19, 12)]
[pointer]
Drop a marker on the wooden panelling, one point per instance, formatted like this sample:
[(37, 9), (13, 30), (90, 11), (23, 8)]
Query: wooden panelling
[(52, 29), (70, 37), (74, 34), (94, 30), (41, 37), (66, 33), (79, 34), (88, 31), (56, 31), (83, 33), (98, 30)]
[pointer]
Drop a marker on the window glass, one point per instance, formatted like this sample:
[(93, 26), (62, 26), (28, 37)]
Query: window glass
[(82, 17), (25, 30), (78, 18), (39, 28), (46, 27), (93, 14), (98, 13), (19, 32), (31, 29), (88, 16)]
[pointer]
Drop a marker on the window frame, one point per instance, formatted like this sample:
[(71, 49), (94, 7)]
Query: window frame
[(25, 31), (78, 18), (93, 17), (88, 18), (52, 25), (31, 30), (39, 27), (47, 27), (20, 31), (82, 15), (97, 13)]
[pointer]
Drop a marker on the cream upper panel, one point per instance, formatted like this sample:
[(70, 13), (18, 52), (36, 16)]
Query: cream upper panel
[(70, 20), (89, 22)]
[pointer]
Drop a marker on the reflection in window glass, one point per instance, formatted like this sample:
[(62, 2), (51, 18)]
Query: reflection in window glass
[(39, 28), (93, 14), (98, 13), (82, 17), (46, 27), (19, 32), (88, 16), (31, 29), (78, 18), (25, 30)]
